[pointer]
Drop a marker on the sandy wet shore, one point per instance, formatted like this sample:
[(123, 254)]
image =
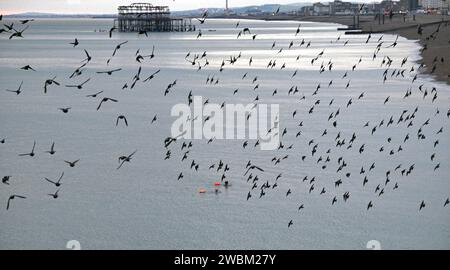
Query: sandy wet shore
[(435, 56)]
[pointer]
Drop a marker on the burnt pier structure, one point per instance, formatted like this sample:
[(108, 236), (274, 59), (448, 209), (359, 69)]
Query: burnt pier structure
[(149, 18)]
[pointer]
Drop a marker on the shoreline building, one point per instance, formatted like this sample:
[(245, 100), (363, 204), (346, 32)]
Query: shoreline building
[(343, 8), (434, 4), (320, 9), (413, 5)]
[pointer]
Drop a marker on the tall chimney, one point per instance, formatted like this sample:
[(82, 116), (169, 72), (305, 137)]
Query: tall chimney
[(226, 5)]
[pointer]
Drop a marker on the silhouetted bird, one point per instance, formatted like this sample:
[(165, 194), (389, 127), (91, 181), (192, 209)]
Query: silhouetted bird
[(31, 154), (12, 197), (56, 183)]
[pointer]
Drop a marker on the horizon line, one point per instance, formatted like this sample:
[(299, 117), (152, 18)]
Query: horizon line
[(12, 13)]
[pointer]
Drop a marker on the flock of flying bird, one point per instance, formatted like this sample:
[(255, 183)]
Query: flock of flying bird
[(254, 172)]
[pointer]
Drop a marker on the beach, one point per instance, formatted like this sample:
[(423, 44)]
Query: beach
[(438, 47)]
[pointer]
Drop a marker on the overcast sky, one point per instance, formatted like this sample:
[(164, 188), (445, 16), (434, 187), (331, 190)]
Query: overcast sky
[(110, 6)]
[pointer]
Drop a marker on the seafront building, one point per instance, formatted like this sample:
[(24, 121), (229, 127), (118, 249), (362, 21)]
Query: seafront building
[(434, 4), (413, 4), (320, 9), (342, 8)]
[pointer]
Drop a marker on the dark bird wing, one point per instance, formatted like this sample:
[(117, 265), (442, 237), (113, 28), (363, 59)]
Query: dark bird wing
[(48, 180), (132, 154), (102, 72), (7, 205), (13, 35), (152, 76), (258, 168), (115, 51), (120, 166), (61, 177), (88, 57), (96, 94), (111, 30), (85, 82), (99, 105)]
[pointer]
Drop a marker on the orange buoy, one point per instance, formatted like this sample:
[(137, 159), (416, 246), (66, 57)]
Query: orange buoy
[(202, 190)]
